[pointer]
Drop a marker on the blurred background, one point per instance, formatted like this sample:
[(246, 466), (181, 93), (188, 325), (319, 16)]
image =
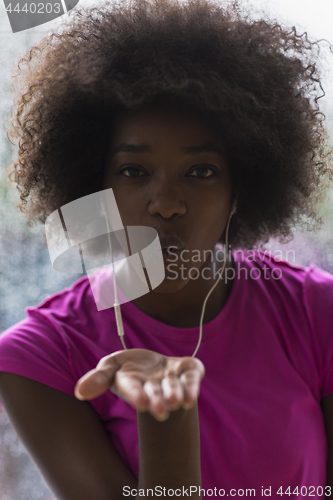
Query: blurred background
[(26, 275)]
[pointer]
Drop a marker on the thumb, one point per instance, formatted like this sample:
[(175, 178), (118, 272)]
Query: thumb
[(94, 383)]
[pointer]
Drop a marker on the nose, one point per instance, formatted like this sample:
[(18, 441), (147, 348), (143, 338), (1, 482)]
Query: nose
[(167, 199)]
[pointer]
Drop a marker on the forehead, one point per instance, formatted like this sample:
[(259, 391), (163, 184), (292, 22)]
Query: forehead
[(151, 123)]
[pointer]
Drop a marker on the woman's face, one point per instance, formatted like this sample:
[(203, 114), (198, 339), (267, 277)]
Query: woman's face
[(168, 170)]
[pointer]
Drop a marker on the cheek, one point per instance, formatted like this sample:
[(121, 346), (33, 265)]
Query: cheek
[(127, 203), (213, 213)]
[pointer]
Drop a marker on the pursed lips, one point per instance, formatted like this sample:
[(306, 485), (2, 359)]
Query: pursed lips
[(171, 242)]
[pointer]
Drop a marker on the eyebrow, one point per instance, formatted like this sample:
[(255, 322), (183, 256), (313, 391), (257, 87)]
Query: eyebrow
[(146, 148)]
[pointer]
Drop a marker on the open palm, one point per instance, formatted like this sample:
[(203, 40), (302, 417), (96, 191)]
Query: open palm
[(147, 380)]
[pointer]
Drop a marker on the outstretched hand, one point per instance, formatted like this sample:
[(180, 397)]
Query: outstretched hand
[(146, 380)]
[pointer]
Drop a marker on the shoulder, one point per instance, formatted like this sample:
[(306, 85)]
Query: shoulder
[(306, 291), (318, 300), (60, 339), (273, 269), (73, 298), (268, 276), (76, 312)]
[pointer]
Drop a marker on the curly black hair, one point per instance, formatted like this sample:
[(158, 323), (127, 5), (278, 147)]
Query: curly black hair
[(256, 82)]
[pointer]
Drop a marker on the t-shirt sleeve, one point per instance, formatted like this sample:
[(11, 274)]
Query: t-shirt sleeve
[(36, 350), (318, 300)]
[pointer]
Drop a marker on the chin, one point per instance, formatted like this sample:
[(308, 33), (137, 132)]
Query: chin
[(170, 285)]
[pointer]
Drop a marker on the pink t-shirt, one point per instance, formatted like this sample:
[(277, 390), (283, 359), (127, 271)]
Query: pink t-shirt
[(268, 358)]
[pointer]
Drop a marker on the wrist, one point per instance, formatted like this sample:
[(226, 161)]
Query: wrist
[(170, 450)]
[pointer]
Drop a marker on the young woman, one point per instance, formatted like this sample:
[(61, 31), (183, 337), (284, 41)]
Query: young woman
[(200, 120)]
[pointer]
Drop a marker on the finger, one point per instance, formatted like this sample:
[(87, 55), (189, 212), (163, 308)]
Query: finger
[(157, 406), (91, 385), (96, 381), (172, 392), (131, 390), (190, 380)]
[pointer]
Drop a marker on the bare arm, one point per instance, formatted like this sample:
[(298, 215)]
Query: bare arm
[(327, 408), (66, 440)]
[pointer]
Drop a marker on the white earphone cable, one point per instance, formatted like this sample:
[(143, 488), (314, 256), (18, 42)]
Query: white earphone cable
[(210, 291), (116, 305)]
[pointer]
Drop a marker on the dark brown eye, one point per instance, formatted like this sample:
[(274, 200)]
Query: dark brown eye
[(136, 170), (205, 169)]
